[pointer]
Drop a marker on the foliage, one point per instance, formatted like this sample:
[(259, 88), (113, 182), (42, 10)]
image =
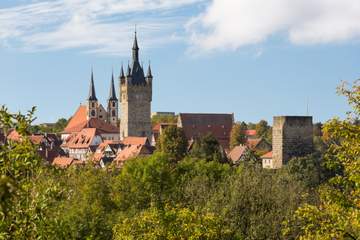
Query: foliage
[(171, 223), (337, 215), (58, 127), (173, 142), (163, 119), (207, 147), (237, 135)]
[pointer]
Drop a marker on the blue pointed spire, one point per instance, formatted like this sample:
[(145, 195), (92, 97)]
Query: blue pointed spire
[(92, 94)]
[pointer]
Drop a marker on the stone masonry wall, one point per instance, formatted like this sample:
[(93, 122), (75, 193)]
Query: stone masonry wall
[(292, 137)]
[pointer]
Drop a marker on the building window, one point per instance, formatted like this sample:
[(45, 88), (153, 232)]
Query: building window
[(113, 104), (92, 104), (113, 113), (93, 113)]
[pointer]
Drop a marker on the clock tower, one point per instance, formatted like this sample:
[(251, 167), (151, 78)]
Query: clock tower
[(135, 98)]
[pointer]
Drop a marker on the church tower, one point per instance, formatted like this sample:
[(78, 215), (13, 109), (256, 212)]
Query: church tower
[(135, 98), (112, 108), (92, 103)]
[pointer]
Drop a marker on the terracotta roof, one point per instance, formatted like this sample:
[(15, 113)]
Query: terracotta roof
[(135, 141), (131, 151), (14, 136), (82, 139), (237, 152), (62, 162), (79, 121), (267, 155), (37, 139), (250, 133), (196, 125)]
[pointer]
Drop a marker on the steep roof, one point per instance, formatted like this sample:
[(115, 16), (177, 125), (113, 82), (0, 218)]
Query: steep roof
[(237, 152), (112, 93), (250, 133), (92, 94), (62, 162), (79, 121), (82, 139), (131, 151), (196, 125)]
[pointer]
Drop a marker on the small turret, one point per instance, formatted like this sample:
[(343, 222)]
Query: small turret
[(149, 75)]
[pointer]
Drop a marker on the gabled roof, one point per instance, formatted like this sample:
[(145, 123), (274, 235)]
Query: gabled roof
[(131, 151), (81, 139), (79, 121), (237, 152), (135, 141), (196, 125)]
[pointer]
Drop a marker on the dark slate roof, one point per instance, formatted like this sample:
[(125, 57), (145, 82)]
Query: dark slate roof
[(196, 125), (122, 75), (112, 94), (92, 94), (149, 74), (137, 74)]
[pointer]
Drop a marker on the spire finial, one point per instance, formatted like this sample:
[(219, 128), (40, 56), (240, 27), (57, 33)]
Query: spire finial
[(92, 94)]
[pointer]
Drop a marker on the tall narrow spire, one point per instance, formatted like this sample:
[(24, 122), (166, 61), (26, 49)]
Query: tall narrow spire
[(122, 75), (112, 94), (129, 71), (92, 94), (149, 74), (135, 49)]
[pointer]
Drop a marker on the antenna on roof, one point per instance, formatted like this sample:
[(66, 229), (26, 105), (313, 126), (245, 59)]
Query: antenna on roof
[(307, 106)]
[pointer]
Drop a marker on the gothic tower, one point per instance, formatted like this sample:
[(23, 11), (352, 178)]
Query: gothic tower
[(112, 108), (135, 98), (92, 103)]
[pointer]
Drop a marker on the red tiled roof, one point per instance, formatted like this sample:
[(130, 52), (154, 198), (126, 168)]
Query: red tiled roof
[(267, 155), (237, 152), (131, 151), (135, 141), (250, 133), (14, 136), (156, 128), (196, 125), (37, 139), (79, 121), (82, 139), (62, 162)]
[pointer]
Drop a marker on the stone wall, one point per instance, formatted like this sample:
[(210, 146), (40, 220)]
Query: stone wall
[(292, 137), (135, 110)]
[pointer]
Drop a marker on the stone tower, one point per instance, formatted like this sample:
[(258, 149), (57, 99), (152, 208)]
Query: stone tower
[(92, 102), (112, 108), (292, 137), (135, 98)]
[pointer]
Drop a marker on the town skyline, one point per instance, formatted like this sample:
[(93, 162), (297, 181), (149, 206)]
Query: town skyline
[(280, 76)]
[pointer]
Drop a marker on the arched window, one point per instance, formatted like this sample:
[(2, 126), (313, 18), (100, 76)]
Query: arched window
[(113, 113), (93, 113), (113, 104), (93, 104)]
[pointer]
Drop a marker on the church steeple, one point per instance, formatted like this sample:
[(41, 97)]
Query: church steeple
[(122, 75), (149, 74), (92, 94), (135, 49), (112, 93)]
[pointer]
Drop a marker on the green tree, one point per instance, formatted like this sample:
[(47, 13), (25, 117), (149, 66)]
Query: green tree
[(237, 135), (163, 119), (207, 147), (173, 142), (337, 215), (24, 204), (171, 223), (262, 128)]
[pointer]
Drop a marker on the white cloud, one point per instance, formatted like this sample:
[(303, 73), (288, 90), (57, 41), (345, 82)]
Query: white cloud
[(230, 24), (101, 26)]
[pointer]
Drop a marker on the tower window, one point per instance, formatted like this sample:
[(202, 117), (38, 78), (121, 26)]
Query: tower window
[(113, 104), (113, 113), (92, 104), (93, 113)]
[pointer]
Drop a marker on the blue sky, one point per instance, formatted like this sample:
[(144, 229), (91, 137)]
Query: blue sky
[(251, 57)]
